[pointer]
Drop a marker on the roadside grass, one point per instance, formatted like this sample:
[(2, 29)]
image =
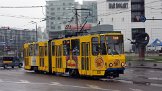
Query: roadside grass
[(147, 58)]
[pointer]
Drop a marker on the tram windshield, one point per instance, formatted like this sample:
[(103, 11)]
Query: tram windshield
[(114, 45)]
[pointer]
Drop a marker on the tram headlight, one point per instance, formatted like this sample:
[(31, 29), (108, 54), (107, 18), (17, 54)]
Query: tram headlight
[(123, 64), (110, 65)]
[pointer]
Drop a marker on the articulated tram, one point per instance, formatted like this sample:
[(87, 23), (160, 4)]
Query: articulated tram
[(97, 55)]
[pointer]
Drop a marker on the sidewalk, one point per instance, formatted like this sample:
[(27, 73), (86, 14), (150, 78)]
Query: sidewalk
[(144, 64)]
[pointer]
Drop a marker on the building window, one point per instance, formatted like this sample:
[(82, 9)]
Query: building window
[(63, 8), (52, 9), (64, 22), (51, 4), (52, 23), (137, 10), (47, 12), (52, 18), (63, 4), (53, 13), (58, 8), (52, 27), (58, 18), (70, 4), (59, 27)]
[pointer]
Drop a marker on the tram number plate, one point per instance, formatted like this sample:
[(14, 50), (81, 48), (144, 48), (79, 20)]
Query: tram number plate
[(98, 72)]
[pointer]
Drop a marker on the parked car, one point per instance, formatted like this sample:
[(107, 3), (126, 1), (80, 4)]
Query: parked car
[(10, 62)]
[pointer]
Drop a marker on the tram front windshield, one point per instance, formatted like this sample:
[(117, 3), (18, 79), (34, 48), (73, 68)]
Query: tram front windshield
[(114, 45)]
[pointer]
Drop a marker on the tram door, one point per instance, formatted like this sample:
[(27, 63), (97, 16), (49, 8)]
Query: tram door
[(85, 59), (41, 57), (58, 58), (26, 57)]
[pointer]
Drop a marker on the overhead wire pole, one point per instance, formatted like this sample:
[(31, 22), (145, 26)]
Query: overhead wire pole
[(76, 21), (36, 30), (76, 14)]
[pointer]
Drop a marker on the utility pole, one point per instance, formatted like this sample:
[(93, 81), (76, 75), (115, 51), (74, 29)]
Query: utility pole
[(36, 30)]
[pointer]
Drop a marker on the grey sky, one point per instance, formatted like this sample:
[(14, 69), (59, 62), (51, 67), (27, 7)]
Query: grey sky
[(8, 16)]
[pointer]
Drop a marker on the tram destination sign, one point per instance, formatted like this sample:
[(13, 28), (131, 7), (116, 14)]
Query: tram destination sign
[(118, 4)]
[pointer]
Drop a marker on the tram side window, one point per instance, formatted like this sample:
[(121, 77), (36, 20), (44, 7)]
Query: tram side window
[(41, 53), (95, 46), (36, 50), (66, 47), (53, 49), (102, 45), (75, 45), (24, 52), (27, 51), (31, 50)]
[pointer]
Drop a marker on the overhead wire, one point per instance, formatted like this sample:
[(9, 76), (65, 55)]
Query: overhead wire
[(27, 17), (120, 11), (20, 16), (21, 6)]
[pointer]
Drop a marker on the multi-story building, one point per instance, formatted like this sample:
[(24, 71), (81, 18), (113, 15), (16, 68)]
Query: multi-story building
[(91, 14), (125, 15), (12, 40), (58, 14)]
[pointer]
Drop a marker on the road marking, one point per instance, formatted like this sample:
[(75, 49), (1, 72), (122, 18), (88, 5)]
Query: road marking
[(1, 80), (97, 87), (125, 81), (135, 89), (56, 83), (90, 88), (23, 81), (93, 86), (157, 85), (155, 78)]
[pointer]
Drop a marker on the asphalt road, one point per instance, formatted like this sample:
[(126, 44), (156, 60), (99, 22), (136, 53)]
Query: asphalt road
[(21, 80)]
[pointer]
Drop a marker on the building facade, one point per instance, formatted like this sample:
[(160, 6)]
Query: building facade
[(58, 14), (125, 16), (91, 15), (12, 40)]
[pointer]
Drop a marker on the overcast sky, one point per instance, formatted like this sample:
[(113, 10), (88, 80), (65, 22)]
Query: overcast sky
[(21, 18)]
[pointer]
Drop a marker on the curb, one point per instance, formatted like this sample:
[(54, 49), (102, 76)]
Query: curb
[(144, 64)]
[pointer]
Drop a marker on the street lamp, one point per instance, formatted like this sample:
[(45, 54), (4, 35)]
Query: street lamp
[(33, 22)]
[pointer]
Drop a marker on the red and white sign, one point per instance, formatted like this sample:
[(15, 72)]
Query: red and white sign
[(74, 27)]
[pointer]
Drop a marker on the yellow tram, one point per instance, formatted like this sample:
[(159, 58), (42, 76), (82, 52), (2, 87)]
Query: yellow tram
[(98, 55)]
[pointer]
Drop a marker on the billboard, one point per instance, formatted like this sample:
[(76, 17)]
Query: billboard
[(74, 27)]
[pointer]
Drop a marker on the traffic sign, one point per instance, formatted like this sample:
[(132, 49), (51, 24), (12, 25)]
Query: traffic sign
[(142, 18)]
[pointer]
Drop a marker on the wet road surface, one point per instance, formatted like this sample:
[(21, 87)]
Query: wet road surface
[(21, 80)]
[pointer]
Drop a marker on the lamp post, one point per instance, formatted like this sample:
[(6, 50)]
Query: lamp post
[(33, 22)]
